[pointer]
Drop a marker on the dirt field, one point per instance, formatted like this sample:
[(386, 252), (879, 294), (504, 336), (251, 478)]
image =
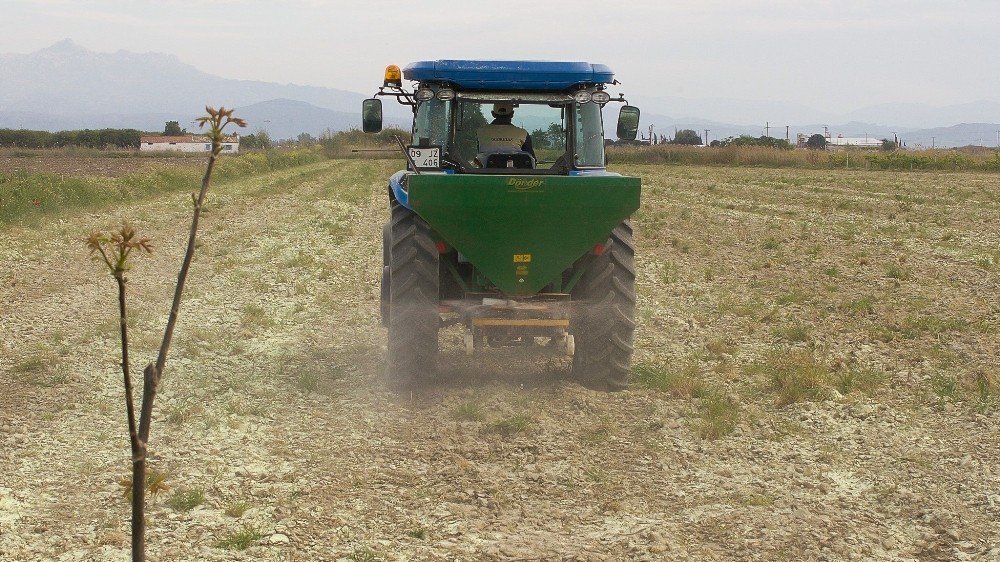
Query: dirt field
[(817, 364)]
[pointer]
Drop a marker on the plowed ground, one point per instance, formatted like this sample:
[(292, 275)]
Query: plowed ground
[(817, 362)]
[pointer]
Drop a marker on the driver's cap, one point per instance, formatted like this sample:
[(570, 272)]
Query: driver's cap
[(503, 109)]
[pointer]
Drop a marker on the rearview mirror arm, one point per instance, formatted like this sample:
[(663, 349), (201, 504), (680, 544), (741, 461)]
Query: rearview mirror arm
[(401, 95)]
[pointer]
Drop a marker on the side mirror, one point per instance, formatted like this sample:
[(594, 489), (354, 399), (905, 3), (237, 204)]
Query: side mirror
[(628, 122), (371, 115)]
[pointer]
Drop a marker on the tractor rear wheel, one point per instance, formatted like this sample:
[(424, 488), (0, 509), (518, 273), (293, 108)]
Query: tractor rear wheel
[(413, 299), (603, 320)]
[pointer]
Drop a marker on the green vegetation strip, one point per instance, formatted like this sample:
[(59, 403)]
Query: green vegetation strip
[(30, 196), (768, 157)]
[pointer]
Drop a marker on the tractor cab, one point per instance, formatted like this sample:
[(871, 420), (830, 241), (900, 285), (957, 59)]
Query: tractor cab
[(505, 117)]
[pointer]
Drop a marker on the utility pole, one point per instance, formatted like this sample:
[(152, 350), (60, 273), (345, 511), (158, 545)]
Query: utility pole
[(826, 131), (932, 142), (998, 139), (787, 138), (767, 128), (706, 137)]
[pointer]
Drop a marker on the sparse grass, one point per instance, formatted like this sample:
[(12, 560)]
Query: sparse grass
[(41, 368), (897, 272), (596, 434), (718, 416), (792, 376), (518, 423), (944, 386), (255, 317), (300, 260), (683, 382), (860, 306), (183, 412), (364, 554), (756, 500), (595, 474), (770, 243), (796, 333), (244, 405), (864, 380), (307, 380), (682, 246), (719, 347), (795, 296), (419, 533), (981, 388), (186, 499), (32, 365), (237, 509), (915, 326), (240, 539), (985, 387), (669, 273), (467, 411)]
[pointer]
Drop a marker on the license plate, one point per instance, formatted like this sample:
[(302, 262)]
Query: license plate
[(426, 157)]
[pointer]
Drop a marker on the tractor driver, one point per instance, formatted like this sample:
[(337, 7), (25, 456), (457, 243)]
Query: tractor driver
[(501, 133)]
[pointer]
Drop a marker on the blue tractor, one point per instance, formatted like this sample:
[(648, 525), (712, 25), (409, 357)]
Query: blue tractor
[(506, 220)]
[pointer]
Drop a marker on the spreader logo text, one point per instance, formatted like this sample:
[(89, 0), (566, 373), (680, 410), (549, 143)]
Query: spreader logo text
[(521, 184)]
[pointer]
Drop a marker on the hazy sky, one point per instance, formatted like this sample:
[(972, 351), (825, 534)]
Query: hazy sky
[(832, 55)]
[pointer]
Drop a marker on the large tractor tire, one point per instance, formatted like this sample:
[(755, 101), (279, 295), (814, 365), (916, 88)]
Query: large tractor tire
[(603, 321), (413, 299)]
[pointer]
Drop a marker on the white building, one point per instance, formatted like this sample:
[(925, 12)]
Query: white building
[(187, 143), (859, 142)]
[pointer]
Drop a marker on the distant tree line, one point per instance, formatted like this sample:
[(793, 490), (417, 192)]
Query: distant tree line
[(747, 140), (89, 138)]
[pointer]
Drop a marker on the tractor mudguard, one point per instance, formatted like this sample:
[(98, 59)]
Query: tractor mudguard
[(522, 231)]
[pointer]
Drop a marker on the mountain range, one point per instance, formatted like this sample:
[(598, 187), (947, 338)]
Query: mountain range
[(66, 86)]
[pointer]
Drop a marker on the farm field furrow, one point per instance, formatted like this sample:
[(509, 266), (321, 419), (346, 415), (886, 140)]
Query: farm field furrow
[(817, 377)]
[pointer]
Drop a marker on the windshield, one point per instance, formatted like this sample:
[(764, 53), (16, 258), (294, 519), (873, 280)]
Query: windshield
[(430, 125), (546, 129), (589, 136)]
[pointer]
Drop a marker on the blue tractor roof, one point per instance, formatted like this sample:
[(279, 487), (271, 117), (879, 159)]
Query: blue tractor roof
[(509, 75)]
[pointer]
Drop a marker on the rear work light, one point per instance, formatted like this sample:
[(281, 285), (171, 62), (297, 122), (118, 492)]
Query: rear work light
[(600, 97)]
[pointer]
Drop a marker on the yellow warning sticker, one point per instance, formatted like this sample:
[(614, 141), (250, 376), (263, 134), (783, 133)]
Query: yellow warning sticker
[(522, 258), (521, 270)]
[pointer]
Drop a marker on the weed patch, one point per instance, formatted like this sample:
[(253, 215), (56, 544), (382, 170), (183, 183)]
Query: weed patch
[(863, 380), (467, 411), (897, 272), (518, 423), (685, 382), (237, 509), (794, 376), (796, 333), (186, 499), (718, 416), (240, 539)]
